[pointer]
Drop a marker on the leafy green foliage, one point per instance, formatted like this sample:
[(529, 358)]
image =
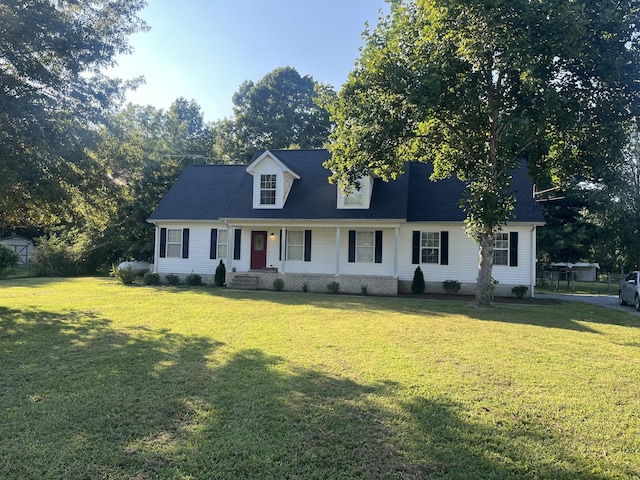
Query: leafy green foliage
[(417, 285), (475, 86), (451, 286), (126, 275), (278, 284), (151, 278), (519, 291), (220, 277), (8, 259), (52, 56), (333, 287), (172, 279), (276, 112), (193, 280), (54, 257)]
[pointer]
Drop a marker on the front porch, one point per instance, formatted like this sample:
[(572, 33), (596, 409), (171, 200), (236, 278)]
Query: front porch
[(318, 283)]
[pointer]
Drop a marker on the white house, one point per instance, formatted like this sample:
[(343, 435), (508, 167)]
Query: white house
[(280, 218)]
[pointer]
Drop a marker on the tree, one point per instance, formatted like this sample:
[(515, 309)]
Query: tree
[(142, 150), (8, 259), (615, 211), (476, 86), (52, 92), (276, 112)]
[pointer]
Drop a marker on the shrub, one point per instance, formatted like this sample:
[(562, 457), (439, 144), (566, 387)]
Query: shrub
[(278, 284), (172, 279), (55, 258), (417, 286), (194, 280), (333, 287), (151, 278), (451, 286), (519, 291), (8, 259), (364, 288), (126, 275), (221, 275), (305, 287)]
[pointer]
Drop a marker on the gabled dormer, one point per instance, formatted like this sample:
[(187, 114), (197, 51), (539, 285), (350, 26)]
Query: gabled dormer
[(357, 198), (272, 181)]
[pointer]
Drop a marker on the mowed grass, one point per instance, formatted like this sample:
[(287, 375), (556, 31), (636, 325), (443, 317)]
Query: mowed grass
[(100, 380)]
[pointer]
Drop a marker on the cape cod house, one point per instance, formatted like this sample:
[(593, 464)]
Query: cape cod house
[(280, 218)]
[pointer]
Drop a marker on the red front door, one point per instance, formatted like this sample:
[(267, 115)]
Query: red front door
[(258, 250)]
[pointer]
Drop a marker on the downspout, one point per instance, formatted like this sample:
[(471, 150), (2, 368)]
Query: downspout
[(534, 261)]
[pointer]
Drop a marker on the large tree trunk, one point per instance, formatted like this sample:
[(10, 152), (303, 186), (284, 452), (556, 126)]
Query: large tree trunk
[(485, 265)]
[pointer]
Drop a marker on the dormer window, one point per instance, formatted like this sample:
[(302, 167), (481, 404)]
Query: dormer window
[(272, 181), (268, 189), (354, 198), (359, 197)]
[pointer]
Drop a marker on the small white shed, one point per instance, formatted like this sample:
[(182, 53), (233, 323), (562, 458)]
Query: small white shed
[(22, 246), (582, 271)]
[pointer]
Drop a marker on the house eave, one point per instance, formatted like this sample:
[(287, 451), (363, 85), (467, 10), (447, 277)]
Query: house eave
[(267, 153), (323, 222)]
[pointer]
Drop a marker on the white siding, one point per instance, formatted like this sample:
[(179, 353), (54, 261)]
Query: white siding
[(464, 257), (463, 253), (199, 248)]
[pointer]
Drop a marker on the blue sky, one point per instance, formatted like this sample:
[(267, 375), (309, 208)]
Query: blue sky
[(204, 49)]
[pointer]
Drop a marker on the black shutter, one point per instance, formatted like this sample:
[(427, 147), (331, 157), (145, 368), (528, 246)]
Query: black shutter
[(444, 248), (513, 249), (163, 242), (280, 242), (185, 243), (352, 246), (237, 235), (415, 255), (378, 246), (214, 243), (307, 245)]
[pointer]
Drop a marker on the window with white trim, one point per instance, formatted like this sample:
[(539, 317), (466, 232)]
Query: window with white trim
[(365, 247), (430, 247), (223, 243), (354, 198), (295, 245), (268, 189), (501, 249), (174, 242)]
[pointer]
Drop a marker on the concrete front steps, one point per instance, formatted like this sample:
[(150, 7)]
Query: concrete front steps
[(243, 282)]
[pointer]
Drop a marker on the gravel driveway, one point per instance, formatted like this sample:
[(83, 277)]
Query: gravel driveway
[(608, 301)]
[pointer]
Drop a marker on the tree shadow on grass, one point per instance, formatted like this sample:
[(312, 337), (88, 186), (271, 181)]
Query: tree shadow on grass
[(81, 399), (75, 393), (553, 315)]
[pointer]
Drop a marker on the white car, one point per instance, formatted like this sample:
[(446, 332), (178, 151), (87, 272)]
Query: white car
[(629, 291)]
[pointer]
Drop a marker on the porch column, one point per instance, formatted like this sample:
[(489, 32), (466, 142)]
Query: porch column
[(231, 241), (338, 251), (395, 252), (156, 250), (283, 248)]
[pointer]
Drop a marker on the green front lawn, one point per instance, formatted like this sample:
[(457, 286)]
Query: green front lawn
[(99, 380)]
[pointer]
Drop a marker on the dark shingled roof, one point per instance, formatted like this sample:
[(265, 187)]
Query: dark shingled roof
[(210, 192)]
